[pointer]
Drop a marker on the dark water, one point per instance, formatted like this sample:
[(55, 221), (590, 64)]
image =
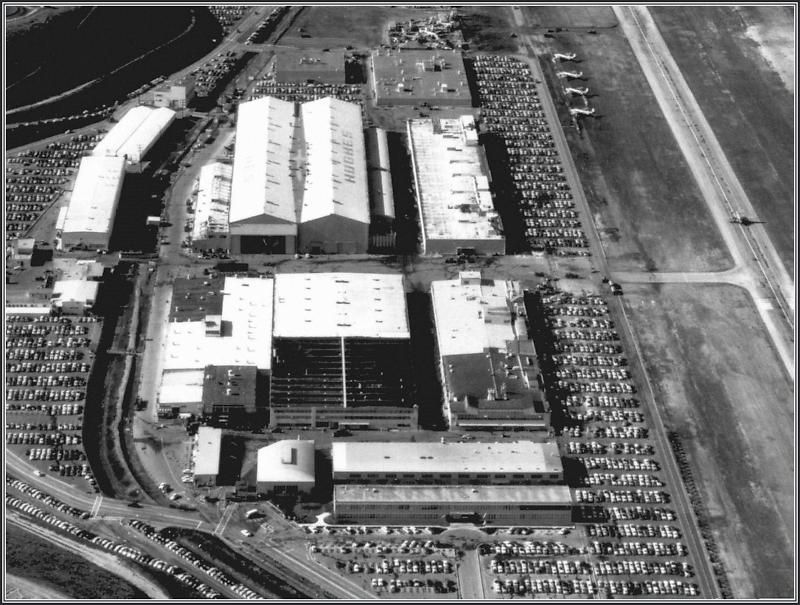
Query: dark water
[(78, 46)]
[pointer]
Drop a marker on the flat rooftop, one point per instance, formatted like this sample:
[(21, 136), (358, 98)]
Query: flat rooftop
[(542, 495), (452, 180), (209, 445), (241, 335), (290, 461), (135, 133), (437, 458), (193, 299), (213, 200), (473, 314), (230, 386), (344, 305), (411, 76)]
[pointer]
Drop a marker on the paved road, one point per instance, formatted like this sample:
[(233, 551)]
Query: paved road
[(751, 248), (470, 578), (102, 506), (674, 482), (106, 561)]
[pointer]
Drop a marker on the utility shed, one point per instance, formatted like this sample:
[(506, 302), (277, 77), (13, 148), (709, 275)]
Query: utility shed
[(286, 467)]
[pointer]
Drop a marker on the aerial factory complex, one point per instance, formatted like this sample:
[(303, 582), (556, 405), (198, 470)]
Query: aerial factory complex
[(417, 302)]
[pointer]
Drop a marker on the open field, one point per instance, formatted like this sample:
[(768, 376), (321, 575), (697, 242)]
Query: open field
[(338, 27), (745, 101), (724, 393), (637, 182), (61, 571)]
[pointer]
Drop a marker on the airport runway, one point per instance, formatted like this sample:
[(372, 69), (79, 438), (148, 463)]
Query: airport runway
[(750, 247)]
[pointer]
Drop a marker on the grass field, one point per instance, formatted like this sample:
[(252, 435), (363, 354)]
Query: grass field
[(338, 26), (723, 391), (32, 558), (649, 211), (745, 102)]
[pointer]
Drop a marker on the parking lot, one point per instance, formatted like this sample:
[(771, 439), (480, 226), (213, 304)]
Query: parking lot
[(397, 568), (36, 178), (48, 362)]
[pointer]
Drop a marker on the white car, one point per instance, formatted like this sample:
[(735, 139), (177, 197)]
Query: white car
[(246, 533)]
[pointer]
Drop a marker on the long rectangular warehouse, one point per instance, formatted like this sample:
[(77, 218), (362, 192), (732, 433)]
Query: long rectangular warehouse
[(538, 505), (134, 135), (451, 179), (93, 204), (521, 463)]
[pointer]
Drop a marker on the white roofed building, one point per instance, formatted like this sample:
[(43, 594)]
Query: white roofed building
[(208, 445), (299, 178), (451, 179), (210, 229), (515, 463), (488, 362), (89, 218), (341, 344), (286, 467), (74, 296), (334, 214), (263, 199), (133, 136), (240, 334)]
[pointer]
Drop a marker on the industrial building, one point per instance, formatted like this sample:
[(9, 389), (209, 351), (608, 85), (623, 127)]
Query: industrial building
[(286, 468), (504, 505), (210, 228), (74, 296), (342, 352), (299, 178), (230, 397), (379, 173), (516, 463), (133, 136), (89, 218), (309, 66), (175, 95), (205, 456), (451, 179), (488, 363), (415, 77), (224, 323)]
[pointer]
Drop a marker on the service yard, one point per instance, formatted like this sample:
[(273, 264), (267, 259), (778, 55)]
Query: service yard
[(735, 59), (638, 185), (722, 390)]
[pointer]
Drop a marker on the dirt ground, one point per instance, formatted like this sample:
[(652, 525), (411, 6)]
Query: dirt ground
[(20, 588), (637, 182), (724, 392), (724, 53)]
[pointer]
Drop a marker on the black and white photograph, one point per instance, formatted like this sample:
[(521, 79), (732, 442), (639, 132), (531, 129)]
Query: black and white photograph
[(421, 302)]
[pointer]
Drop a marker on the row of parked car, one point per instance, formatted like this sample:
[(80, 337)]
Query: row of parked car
[(511, 109), (15, 438), (35, 179), (217, 574)]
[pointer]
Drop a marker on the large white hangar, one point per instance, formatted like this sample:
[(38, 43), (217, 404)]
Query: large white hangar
[(342, 352), (89, 217), (134, 135), (299, 178)]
